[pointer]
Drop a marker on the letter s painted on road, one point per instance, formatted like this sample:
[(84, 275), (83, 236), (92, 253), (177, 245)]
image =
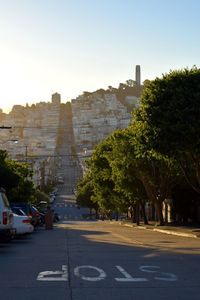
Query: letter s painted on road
[(160, 275)]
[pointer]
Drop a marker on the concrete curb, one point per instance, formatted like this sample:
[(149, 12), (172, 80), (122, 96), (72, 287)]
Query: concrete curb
[(166, 231), (183, 234)]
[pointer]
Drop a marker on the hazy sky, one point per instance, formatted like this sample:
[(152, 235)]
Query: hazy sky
[(71, 46)]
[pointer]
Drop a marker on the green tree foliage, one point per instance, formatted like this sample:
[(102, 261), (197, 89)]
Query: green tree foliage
[(103, 185), (145, 175), (168, 120), (144, 161), (85, 192), (159, 175), (40, 197), (124, 173), (130, 82), (8, 178), (123, 178), (14, 177)]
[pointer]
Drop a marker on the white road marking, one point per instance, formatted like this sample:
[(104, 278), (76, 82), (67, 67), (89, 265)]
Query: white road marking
[(59, 275), (128, 277), (102, 274), (163, 276), (166, 277), (48, 275), (149, 269)]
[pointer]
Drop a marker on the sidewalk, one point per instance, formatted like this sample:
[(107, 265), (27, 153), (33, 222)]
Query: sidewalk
[(185, 231)]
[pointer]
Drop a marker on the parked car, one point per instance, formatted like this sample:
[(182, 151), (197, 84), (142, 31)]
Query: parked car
[(6, 217), (22, 224), (30, 211), (18, 211), (36, 215)]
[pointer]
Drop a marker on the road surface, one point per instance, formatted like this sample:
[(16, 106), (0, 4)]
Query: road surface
[(81, 259)]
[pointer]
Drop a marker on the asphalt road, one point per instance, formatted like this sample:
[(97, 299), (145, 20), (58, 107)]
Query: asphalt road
[(81, 259)]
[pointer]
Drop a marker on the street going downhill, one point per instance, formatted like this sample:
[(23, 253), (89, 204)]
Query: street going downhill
[(87, 259)]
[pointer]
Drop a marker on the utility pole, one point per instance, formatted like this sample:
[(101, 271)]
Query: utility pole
[(26, 153)]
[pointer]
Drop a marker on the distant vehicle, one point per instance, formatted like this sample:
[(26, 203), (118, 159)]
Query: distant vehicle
[(52, 197), (22, 224), (55, 191), (60, 179), (6, 217)]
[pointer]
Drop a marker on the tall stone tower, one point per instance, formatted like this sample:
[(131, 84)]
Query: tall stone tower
[(137, 75), (55, 98)]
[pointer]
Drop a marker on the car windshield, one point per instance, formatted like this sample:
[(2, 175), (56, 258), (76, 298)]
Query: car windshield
[(18, 211), (25, 207), (5, 200)]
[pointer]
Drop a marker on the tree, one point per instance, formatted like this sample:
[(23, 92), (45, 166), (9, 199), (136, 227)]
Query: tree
[(130, 82), (107, 197), (158, 173), (14, 177), (8, 177), (122, 86), (186, 203), (122, 177), (168, 120), (85, 193), (41, 197), (125, 173)]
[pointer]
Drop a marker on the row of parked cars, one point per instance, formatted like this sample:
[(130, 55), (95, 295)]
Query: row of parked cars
[(17, 218)]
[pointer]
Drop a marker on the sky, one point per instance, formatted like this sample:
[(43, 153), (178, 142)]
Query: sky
[(72, 46)]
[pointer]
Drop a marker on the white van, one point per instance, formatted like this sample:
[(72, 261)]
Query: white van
[(6, 217)]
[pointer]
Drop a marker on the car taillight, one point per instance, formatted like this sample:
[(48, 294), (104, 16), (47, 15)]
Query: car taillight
[(27, 221), (5, 218)]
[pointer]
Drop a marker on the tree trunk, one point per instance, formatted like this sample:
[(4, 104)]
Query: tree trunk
[(138, 214), (90, 213), (158, 206), (96, 214), (134, 214), (144, 213)]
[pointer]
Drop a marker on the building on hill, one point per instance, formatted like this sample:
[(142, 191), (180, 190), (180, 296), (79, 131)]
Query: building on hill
[(56, 99), (95, 117), (98, 114), (35, 128)]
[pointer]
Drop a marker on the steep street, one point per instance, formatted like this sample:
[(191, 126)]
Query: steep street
[(69, 169)]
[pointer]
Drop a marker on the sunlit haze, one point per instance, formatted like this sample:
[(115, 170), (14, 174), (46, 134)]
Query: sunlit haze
[(71, 46)]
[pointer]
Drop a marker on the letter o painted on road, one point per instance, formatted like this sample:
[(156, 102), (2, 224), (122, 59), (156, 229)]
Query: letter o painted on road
[(102, 274)]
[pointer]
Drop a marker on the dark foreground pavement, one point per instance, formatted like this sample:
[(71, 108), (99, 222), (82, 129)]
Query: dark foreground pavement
[(82, 260), (24, 258)]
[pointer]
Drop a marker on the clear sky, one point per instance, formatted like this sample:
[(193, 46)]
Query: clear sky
[(71, 46)]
